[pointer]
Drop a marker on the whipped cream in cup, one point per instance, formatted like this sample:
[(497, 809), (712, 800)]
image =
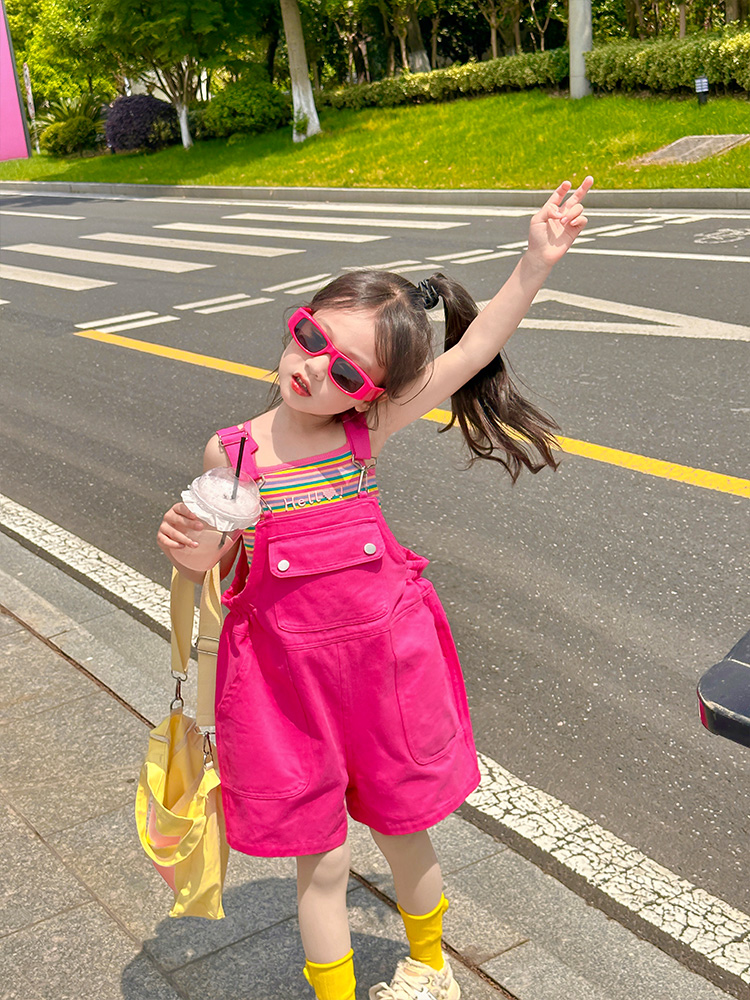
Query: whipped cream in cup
[(224, 516)]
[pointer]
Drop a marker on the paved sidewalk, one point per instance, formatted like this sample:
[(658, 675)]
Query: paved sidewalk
[(84, 915)]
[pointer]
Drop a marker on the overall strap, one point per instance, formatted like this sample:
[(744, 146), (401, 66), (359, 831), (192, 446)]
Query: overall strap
[(230, 437), (358, 436)]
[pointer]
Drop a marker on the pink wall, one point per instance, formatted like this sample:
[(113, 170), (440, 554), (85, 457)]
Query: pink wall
[(13, 141)]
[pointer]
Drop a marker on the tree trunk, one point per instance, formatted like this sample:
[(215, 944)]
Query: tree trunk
[(493, 38), (182, 114), (517, 35), (433, 40), (683, 20), (306, 122), (404, 57), (732, 11), (641, 19), (419, 63)]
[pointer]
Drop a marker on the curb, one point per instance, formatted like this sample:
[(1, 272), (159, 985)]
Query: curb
[(656, 198)]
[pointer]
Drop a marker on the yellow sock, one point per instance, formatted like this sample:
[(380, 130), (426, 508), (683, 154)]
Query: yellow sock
[(332, 980), (424, 934)]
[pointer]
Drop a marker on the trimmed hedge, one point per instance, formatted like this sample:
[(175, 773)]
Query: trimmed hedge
[(76, 135), (532, 69), (249, 106), (141, 122), (672, 64)]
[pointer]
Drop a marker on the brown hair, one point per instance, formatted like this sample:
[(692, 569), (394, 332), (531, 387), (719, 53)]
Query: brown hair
[(492, 414)]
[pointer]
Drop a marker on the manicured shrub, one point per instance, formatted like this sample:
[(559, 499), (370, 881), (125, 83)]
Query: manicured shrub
[(249, 106), (532, 69), (672, 64), (141, 122), (75, 135)]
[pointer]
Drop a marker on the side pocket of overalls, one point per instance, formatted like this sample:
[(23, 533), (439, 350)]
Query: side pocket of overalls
[(262, 732), (424, 685)]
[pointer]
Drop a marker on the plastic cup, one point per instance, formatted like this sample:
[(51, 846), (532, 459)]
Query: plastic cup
[(226, 506)]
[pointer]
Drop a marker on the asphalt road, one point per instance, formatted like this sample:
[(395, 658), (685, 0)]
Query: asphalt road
[(585, 603)]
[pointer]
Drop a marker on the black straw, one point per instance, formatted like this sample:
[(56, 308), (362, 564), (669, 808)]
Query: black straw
[(237, 470)]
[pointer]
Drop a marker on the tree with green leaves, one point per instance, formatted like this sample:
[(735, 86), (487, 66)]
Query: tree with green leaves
[(175, 40)]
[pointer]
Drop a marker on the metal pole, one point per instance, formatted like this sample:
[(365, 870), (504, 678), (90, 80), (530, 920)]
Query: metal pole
[(579, 38)]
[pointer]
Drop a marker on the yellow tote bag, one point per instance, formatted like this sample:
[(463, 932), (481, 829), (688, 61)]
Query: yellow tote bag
[(178, 808)]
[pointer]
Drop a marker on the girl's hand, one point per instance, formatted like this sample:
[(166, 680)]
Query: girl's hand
[(555, 226), (177, 520)]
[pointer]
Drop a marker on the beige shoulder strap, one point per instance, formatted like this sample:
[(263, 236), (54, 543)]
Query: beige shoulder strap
[(209, 630)]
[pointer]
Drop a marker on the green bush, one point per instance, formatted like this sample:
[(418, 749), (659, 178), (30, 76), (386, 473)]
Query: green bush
[(672, 64), (84, 106), (248, 106), (76, 135), (532, 69)]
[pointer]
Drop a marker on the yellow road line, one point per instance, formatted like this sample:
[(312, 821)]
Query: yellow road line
[(585, 449)]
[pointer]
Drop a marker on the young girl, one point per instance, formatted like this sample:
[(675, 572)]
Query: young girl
[(338, 685)]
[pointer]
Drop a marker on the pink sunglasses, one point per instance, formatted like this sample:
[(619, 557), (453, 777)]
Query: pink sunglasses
[(343, 373)]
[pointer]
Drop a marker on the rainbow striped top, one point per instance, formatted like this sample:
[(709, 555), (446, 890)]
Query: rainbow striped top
[(324, 479)]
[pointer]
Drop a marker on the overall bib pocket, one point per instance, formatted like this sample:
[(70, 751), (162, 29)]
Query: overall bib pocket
[(330, 576), (260, 721), (424, 687)]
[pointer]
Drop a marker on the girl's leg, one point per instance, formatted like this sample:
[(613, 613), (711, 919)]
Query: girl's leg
[(416, 870), (419, 891), (324, 925)]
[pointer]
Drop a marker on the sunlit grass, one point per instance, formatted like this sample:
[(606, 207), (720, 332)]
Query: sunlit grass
[(523, 140)]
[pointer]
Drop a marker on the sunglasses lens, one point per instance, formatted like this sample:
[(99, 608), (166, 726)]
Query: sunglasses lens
[(346, 376), (309, 337)]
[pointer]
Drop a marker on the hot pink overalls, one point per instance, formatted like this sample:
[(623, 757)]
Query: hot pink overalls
[(338, 683)]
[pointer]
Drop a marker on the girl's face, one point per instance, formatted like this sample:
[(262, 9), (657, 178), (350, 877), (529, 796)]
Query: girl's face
[(304, 381)]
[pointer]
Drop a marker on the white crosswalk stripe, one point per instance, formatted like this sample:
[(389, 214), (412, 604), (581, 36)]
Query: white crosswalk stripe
[(285, 285), (208, 246), (112, 319), (330, 220), (312, 236), (213, 302), (234, 305), (102, 257), (155, 321), (53, 279), (718, 257), (43, 215)]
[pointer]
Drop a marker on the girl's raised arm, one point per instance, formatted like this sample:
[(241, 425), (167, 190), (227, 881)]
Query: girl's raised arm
[(552, 232)]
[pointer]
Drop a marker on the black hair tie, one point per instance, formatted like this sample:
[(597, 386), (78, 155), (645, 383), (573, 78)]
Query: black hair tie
[(430, 294)]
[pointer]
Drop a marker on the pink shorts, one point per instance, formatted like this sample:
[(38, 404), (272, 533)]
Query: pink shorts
[(375, 723)]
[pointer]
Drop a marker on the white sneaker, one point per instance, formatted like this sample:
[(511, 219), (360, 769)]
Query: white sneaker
[(414, 980)]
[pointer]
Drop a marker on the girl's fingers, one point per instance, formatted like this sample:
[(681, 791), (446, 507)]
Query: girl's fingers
[(558, 194)]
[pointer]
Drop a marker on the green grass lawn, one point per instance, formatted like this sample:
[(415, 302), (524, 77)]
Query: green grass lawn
[(518, 140)]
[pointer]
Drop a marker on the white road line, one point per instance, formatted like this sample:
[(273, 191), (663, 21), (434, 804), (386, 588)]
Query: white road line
[(212, 302), (488, 256), (233, 305), (242, 249), (707, 925), (4, 302), (43, 215), (53, 279), (629, 230), (297, 281), (455, 256), (283, 234), (408, 270), (313, 287), (102, 257), (137, 325), (468, 210), (346, 206), (388, 266), (112, 319), (113, 576), (719, 258), (330, 220), (664, 323), (704, 923)]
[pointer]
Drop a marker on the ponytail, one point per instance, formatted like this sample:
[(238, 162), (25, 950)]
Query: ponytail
[(491, 412)]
